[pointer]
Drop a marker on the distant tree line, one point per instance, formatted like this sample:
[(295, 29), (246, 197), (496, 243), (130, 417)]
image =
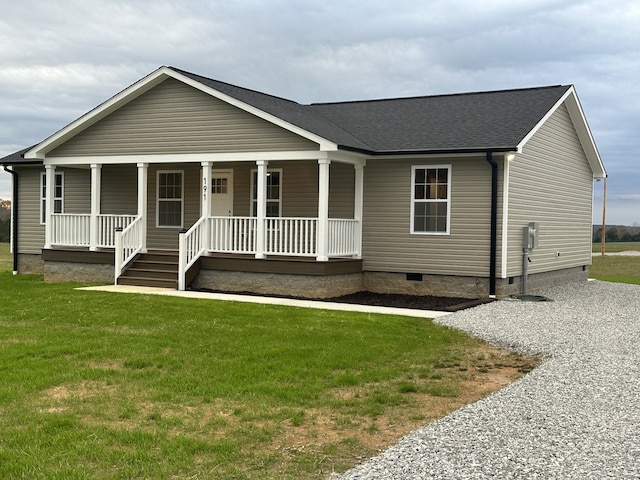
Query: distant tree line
[(5, 221), (616, 233)]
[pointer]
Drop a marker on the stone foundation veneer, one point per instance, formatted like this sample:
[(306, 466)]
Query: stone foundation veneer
[(315, 286), (307, 286), (468, 287), (78, 272), (30, 264)]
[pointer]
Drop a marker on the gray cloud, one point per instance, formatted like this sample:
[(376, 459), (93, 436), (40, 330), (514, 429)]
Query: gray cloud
[(59, 60)]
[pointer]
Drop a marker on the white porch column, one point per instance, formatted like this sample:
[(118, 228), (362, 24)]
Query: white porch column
[(50, 182), (94, 228), (142, 201), (205, 209), (358, 203), (261, 207), (323, 210)]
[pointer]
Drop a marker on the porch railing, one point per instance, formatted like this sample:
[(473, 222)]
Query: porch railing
[(344, 237), (70, 230), (128, 243), (291, 236), (283, 236), (107, 225), (74, 229), (232, 234)]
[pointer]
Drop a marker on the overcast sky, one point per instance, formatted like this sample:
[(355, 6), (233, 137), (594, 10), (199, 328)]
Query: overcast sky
[(60, 59)]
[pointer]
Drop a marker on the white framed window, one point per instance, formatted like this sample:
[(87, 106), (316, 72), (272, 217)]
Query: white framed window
[(430, 199), (170, 198), (58, 195), (274, 193)]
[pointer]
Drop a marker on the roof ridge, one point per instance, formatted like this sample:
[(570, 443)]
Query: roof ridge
[(460, 94), (179, 70), (307, 108)]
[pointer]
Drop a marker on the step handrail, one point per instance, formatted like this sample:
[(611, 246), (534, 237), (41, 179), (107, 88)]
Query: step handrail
[(128, 243), (192, 244)]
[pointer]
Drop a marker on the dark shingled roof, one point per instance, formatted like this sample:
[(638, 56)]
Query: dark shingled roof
[(18, 157), (497, 120), (468, 121)]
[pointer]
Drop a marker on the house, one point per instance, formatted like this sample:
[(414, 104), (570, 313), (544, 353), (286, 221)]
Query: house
[(181, 180)]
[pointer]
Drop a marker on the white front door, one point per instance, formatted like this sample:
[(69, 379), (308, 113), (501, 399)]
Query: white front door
[(222, 193)]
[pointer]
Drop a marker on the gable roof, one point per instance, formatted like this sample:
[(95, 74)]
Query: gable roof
[(470, 122)]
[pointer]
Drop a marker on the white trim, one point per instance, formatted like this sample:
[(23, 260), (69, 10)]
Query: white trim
[(570, 99), (164, 172), (324, 143), (505, 218), (147, 83), (186, 158), (96, 183), (122, 98), (252, 184), (448, 199), (43, 200)]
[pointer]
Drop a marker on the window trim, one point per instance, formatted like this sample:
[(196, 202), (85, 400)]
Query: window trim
[(43, 197), (254, 201), (414, 201), (159, 200)]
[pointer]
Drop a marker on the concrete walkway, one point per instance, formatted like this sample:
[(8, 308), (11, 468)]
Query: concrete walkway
[(347, 307)]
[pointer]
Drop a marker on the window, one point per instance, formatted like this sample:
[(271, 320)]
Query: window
[(170, 199), (58, 195), (274, 193), (430, 199)]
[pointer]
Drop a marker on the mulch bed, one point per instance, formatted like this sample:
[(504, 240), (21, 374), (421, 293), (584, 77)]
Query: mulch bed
[(416, 302)]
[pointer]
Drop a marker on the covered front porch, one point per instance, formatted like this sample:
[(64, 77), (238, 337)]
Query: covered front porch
[(262, 230)]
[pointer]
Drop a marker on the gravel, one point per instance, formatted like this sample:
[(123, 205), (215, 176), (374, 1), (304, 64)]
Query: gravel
[(577, 416)]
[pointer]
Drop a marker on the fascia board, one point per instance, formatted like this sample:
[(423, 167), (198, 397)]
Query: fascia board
[(101, 111), (584, 134), (325, 144), (142, 86), (579, 121)]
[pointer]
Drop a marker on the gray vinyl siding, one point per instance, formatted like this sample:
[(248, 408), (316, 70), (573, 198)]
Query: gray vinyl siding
[(299, 188), (119, 190), (388, 245), (176, 118), (77, 199), (77, 190), (341, 190), (551, 183), (30, 232), (163, 237)]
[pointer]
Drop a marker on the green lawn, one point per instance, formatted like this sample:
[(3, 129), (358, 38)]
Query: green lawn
[(613, 247), (616, 268), (103, 385)]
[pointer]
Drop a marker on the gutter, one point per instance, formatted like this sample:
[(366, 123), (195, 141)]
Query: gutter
[(494, 224), (14, 218), (493, 252)]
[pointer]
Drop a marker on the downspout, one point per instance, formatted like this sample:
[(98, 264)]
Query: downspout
[(14, 218), (494, 224)]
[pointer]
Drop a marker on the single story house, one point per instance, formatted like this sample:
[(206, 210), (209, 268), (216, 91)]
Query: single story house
[(184, 181)]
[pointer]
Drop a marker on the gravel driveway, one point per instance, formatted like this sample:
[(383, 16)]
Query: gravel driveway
[(577, 416)]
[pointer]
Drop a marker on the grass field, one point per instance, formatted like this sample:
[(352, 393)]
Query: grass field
[(103, 385), (614, 247), (616, 268)]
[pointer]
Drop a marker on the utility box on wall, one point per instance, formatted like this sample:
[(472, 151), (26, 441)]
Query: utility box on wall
[(530, 236)]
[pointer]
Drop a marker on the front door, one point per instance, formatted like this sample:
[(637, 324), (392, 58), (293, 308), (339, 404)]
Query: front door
[(222, 193)]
